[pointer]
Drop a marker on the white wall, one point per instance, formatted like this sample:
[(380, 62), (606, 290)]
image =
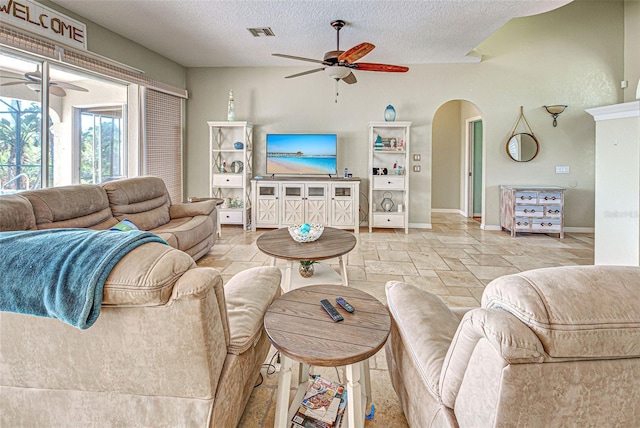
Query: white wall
[(573, 55)]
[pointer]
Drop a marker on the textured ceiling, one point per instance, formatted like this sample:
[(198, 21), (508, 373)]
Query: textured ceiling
[(214, 33)]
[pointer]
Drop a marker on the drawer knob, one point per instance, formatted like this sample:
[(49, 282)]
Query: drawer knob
[(548, 224), (528, 197), (529, 211), (523, 224), (546, 198), (388, 219), (553, 212)]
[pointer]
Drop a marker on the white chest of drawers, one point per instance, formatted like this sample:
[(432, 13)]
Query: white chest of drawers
[(532, 209)]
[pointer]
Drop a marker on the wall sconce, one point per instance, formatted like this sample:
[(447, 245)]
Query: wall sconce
[(555, 111)]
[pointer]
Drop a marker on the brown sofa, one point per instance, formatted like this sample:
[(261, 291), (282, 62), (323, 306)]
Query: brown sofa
[(172, 346), (189, 227), (548, 347)]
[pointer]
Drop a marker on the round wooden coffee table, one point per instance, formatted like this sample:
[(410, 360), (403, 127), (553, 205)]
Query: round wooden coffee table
[(333, 243), (301, 330)]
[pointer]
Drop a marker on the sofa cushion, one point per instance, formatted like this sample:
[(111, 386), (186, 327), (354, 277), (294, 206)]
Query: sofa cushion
[(248, 295), (576, 311), (143, 200), (16, 213), (83, 206), (187, 231), (146, 276)]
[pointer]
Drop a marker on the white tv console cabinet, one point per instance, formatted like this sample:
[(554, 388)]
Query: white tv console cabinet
[(285, 201)]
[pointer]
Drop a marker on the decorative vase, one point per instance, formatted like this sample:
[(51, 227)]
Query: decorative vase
[(389, 113), (238, 145), (306, 271), (387, 203)]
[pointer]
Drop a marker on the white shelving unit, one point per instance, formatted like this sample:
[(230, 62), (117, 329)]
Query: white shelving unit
[(230, 170), (389, 144)]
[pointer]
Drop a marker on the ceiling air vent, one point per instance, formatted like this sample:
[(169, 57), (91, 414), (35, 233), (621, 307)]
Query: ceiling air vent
[(258, 32)]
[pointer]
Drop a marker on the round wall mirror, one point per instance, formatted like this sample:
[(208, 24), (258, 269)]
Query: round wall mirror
[(522, 147)]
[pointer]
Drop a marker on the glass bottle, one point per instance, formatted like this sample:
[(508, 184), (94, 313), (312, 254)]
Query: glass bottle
[(231, 108)]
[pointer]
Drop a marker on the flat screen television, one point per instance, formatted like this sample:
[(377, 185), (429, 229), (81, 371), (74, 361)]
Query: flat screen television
[(302, 154)]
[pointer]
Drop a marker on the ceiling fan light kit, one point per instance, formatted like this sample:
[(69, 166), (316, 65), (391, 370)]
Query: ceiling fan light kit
[(339, 65), (337, 73)]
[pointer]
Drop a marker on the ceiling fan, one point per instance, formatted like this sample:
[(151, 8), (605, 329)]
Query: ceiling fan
[(33, 79), (339, 64)]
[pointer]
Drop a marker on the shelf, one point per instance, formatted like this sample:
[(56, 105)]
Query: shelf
[(233, 183), (389, 144)]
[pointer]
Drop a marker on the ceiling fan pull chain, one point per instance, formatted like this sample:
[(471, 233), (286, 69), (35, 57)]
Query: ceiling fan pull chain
[(337, 91)]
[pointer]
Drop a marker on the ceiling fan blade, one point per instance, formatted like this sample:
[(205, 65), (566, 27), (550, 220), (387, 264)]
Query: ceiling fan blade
[(356, 52), (17, 82), (350, 79), (56, 90), (305, 72), (68, 85), (369, 66), (299, 58)]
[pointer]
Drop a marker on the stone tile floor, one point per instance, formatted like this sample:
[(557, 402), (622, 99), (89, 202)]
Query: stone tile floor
[(454, 260)]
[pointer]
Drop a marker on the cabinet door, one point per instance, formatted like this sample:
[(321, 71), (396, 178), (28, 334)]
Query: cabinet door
[(292, 200), (343, 209), (315, 203), (267, 210)]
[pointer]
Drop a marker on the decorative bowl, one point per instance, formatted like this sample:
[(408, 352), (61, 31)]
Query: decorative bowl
[(306, 232)]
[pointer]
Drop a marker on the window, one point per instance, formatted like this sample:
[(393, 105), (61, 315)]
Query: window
[(150, 119), (86, 133), (101, 144)]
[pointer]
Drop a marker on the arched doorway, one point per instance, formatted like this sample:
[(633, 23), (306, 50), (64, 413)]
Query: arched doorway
[(457, 159)]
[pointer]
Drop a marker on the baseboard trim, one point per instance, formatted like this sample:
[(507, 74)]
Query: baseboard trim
[(489, 227), (447, 211), (420, 226), (579, 229)]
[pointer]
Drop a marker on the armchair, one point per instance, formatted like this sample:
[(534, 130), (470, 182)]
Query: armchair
[(548, 347)]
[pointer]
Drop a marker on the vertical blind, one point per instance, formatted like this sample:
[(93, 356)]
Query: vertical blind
[(162, 140)]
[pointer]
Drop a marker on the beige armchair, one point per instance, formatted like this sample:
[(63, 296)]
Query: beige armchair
[(548, 347)]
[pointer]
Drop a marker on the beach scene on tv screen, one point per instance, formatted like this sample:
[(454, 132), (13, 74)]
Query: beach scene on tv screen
[(308, 154)]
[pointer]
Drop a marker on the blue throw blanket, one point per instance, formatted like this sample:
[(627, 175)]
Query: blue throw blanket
[(60, 273)]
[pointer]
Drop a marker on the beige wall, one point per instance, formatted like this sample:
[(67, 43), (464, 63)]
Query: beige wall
[(632, 48), (113, 46), (447, 154), (573, 55)]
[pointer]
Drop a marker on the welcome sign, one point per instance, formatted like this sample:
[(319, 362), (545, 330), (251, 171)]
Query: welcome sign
[(34, 17)]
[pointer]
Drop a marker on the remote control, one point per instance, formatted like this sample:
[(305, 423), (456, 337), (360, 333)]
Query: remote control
[(331, 310), (347, 307)]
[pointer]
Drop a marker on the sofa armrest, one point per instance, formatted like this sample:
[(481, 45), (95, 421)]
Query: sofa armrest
[(192, 209), (426, 326), (248, 295), (510, 338)]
